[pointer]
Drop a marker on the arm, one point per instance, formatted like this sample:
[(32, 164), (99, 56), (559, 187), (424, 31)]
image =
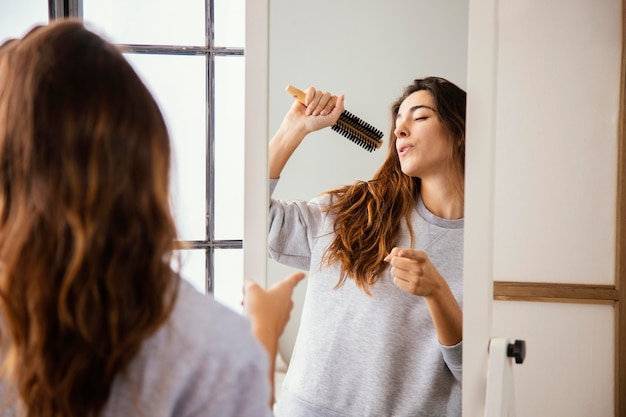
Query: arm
[(269, 312), (414, 273), (322, 110)]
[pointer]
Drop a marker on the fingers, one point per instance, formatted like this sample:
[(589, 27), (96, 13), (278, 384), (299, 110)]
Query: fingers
[(405, 285), (270, 308), (392, 254), (414, 254), (407, 267), (289, 284), (413, 272), (248, 284), (319, 103), (339, 105), (249, 288), (294, 278)]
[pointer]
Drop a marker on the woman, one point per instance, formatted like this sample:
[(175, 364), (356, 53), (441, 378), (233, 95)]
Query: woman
[(93, 319), (381, 327)]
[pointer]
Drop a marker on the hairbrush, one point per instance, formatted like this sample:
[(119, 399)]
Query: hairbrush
[(349, 125)]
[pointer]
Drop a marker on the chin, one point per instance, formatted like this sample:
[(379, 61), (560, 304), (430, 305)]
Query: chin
[(409, 169)]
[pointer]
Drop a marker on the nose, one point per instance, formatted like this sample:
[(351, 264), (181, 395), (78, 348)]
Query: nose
[(401, 130)]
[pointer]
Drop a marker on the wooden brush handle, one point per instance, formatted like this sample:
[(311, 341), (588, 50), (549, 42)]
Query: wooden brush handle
[(297, 94)]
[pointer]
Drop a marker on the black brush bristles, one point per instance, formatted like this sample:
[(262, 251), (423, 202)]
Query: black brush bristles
[(350, 126), (358, 131)]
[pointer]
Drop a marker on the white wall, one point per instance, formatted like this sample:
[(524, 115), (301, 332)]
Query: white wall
[(558, 101), (369, 51), (543, 83)]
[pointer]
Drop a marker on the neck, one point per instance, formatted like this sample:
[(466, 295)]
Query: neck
[(441, 200)]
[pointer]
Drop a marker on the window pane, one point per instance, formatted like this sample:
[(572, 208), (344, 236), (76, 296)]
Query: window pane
[(229, 146), (179, 86), (228, 282), (18, 17), (158, 22), (229, 25), (193, 267)]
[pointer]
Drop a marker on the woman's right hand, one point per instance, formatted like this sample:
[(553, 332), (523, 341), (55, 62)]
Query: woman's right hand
[(269, 309), (321, 109)]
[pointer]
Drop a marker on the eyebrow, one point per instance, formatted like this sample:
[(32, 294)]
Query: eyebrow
[(419, 106)]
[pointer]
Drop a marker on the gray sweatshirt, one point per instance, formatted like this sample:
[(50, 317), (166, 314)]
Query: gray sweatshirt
[(203, 362), (359, 355)]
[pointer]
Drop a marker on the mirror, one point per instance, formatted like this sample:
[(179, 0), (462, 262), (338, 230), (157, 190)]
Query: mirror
[(370, 52)]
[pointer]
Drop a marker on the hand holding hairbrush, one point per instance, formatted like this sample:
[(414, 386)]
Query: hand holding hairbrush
[(349, 125)]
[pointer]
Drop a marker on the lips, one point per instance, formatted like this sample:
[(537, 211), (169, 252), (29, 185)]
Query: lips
[(404, 148)]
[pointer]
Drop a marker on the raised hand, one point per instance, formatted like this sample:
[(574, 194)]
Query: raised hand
[(269, 309)]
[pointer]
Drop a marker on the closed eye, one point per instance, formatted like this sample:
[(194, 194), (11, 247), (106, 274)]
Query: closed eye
[(421, 118)]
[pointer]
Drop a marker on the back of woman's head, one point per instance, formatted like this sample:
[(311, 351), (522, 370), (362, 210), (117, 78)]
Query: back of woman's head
[(86, 232)]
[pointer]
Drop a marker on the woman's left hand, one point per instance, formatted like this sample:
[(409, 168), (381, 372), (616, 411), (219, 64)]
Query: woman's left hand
[(414, 272)]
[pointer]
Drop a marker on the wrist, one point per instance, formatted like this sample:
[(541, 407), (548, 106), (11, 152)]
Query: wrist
[(260, 327), (440, 297), (267, 336), (292, 131)]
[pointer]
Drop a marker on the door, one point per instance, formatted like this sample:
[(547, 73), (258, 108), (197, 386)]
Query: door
[(545, 162)]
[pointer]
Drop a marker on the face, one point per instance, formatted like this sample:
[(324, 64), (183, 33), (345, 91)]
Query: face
[(422, 141)]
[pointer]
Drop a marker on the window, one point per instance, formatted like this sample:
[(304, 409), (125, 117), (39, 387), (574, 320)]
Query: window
[(18, 17), (190, 55)]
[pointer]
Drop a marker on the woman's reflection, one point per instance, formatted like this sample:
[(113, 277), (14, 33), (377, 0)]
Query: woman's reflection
[(381, 327)]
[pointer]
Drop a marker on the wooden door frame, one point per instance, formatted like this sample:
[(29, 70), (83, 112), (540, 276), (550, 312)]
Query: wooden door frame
[(595, 294)]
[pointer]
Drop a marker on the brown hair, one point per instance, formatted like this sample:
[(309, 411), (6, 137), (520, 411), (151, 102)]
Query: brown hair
[(86, 232), (369, 213)]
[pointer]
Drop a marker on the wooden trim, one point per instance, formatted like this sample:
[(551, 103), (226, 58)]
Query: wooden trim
[(552, 292), (620, 244)]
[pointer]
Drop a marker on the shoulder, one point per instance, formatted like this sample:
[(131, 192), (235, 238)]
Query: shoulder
[(202, 339), (204, 357), (322, 200), (206, 324)]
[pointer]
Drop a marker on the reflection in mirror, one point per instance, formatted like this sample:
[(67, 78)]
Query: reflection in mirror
[(370, 55)]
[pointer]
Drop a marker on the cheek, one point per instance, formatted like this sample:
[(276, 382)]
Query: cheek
[(442, 149), (440, 143)]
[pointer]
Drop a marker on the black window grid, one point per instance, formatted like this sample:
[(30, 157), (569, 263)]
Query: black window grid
[(74, 8)]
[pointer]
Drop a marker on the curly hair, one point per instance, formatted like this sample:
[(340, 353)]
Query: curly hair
[(86, 231), (369, 213)]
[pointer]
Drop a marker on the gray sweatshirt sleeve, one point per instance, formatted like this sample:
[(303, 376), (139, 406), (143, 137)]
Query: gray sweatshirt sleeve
[(294, 228), (453, 357)]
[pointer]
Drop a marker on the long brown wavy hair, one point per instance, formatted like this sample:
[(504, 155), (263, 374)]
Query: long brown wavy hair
[(369, 213), (86, 231)]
